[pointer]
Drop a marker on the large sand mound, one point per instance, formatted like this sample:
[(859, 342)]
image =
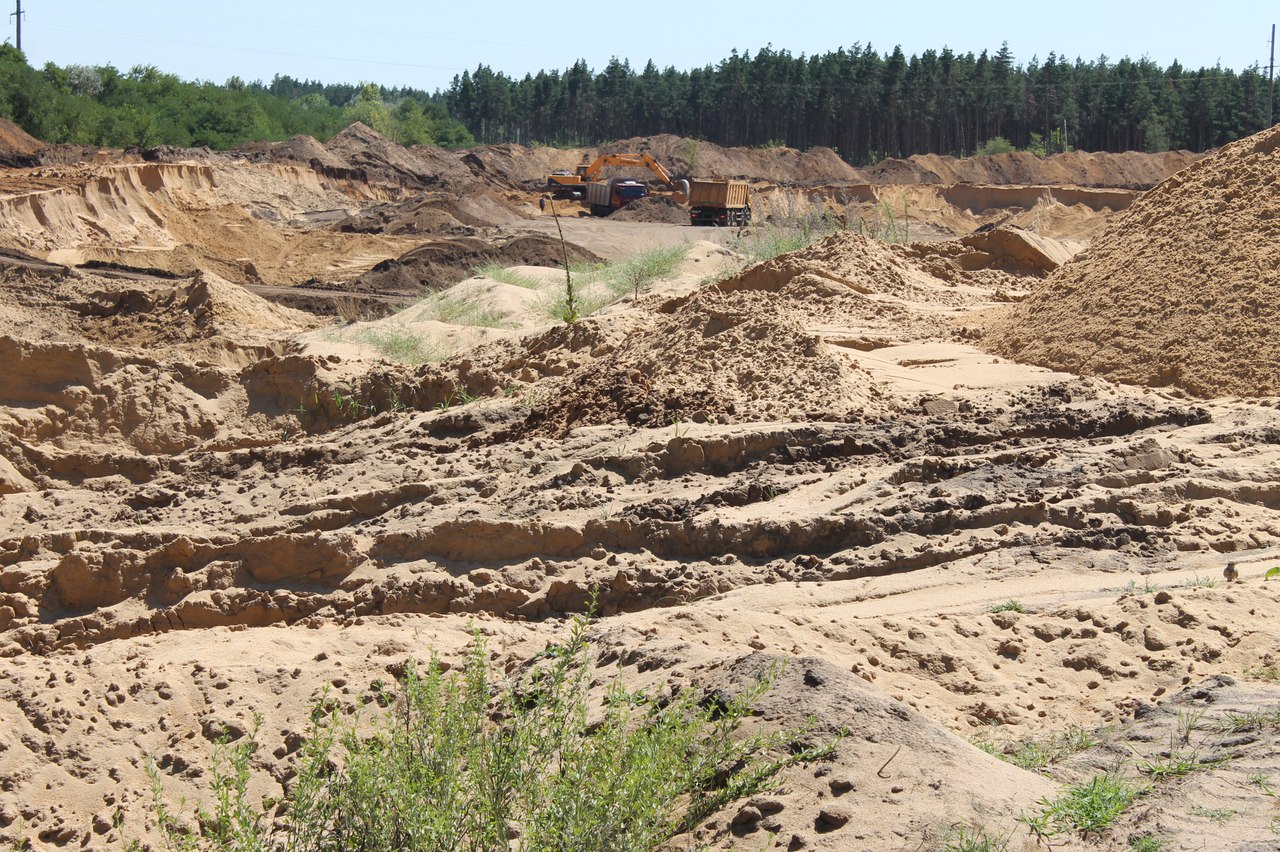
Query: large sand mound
[(1128, 170), (16, 144), (1183, 291)]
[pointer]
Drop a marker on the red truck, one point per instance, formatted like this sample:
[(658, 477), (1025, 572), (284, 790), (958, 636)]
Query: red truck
[(606, 196)]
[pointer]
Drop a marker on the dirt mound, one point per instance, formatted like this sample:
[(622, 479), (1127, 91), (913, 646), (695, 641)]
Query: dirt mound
[(1130, 170), (1181, 291), (439, 214), (733, 356), (653, 208), (856, 263), (516, 165), (383, 160), (694, 158), (1015, 250), (17, 145), (152, 367), (299, 149), (441, 264), (205, 307)]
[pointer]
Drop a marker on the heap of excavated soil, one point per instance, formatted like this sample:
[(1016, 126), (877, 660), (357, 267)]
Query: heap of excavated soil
[(438, 213), (738, 356), (299, 149), (1182, 291), (386, 161), (440, 264), (516, 165), (16, 144), (860, 264), (653, 208)]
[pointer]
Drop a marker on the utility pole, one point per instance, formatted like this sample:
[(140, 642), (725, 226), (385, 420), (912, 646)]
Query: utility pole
[(17, 16), (1271, 75)]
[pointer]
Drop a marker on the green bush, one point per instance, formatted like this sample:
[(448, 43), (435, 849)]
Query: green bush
[(462, 762), (996, 145)]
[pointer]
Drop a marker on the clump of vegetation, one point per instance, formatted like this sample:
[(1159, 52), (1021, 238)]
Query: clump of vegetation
[(1268, 672), (463, 762), (1036, 754), (968, 838), (996, 145), (1147, 843), (459, 309), (397, 343), (598, 285), (1087, 808), (503, 275), (1009, 606), (761, 243), (638, 271), (884, 225)]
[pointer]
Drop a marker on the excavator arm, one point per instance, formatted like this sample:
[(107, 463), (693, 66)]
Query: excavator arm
[(636, 160), (588, 172)]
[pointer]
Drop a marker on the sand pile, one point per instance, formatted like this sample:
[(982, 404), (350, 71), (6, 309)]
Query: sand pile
[(385, 161), (861, 264), (694, 158), (735, 356), (205, 307), (427, 213), (653, 208), (152, 368), (1182, 291), (1015, 250), (16, 144), (299, 149)]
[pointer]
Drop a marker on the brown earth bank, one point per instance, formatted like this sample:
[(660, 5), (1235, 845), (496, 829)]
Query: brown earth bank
[(213, 506)]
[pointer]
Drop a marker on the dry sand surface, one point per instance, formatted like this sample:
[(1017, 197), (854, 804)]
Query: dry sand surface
[(214, 506)]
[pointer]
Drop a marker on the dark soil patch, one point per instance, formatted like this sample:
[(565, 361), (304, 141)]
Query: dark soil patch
[(440, 264), (653, 208)]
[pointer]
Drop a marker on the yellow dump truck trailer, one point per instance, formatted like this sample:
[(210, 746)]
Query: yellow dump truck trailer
[(719, 202)]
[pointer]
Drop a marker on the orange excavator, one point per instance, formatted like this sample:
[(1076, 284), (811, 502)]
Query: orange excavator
[(566, 184)]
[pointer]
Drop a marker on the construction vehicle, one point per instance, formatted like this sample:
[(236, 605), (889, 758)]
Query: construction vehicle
[(606, 196), (565, 184), (720, 202)]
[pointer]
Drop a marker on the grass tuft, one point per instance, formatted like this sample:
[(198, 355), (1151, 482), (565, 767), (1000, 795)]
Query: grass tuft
[(503, 275), (459, 310), (1009, 606), (399, 344), (1091, 807)]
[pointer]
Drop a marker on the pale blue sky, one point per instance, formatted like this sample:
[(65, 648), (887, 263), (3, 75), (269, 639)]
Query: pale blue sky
[(425, 44)]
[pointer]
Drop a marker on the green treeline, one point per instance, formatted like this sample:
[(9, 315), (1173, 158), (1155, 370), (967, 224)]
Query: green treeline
[(868, 106), (99, 105), (864, 104)]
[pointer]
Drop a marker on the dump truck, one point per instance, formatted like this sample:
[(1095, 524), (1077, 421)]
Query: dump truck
[(719, 202), (606, 196)]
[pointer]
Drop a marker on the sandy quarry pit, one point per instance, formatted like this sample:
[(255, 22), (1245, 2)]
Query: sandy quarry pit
[(216, 505)]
